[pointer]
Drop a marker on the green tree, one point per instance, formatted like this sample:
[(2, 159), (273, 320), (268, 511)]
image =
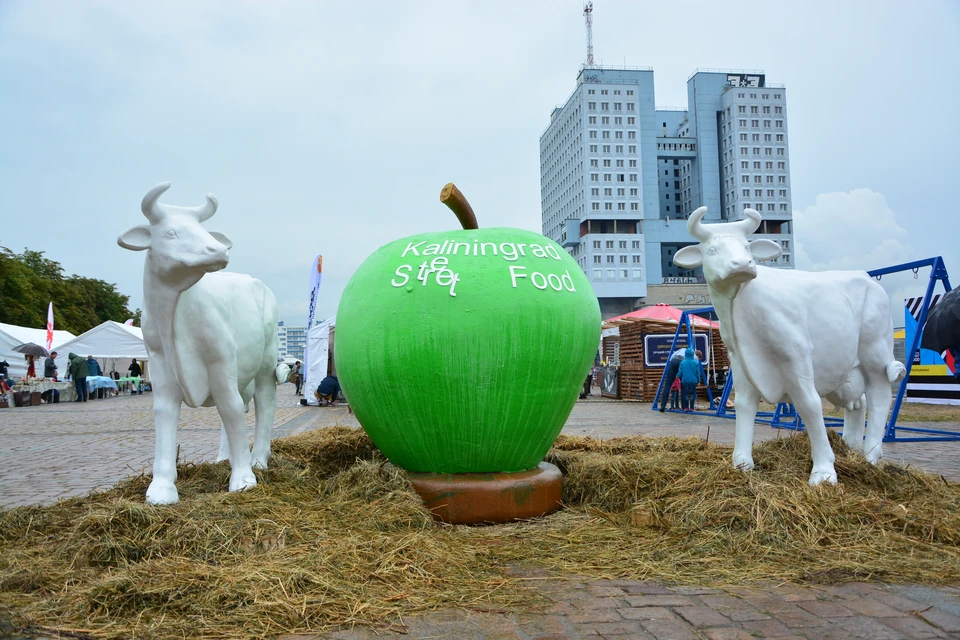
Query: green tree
[(29, 281)]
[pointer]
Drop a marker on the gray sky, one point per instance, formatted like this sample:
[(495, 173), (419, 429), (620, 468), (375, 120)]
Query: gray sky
[(331, 127)]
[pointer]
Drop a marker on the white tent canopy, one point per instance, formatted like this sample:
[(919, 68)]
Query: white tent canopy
[(11, 335), (108, 341), (318, 341)]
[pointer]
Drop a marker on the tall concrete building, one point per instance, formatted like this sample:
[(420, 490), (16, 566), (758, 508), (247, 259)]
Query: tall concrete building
[(619, 176), (291, 341)]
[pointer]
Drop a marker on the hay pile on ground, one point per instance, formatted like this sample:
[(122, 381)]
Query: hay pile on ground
[(333, 535)]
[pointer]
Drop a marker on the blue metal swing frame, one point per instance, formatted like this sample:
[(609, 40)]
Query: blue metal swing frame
[(785, 415)]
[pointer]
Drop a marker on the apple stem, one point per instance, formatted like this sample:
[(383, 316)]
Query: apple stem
[(454, 198)]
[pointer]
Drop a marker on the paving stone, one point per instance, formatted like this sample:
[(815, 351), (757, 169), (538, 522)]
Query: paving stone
[(900, 603), (914, 627), (596, 615), (647, 589), (621, 628), (747, 614), (774, 606), (723, 601), (696, 591), (802, 621), (701, 616), (942, 620), (670, 630), (863, 627), (727, 633), (768, 628), (605, 591), (825, 609), (873, 608), (647, 613), (659, 601), (795, 594)]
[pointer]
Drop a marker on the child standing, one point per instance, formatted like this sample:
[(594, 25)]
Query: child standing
[(675, 394), (689, 375)]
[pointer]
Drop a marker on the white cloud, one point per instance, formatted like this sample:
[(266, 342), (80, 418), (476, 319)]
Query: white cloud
[(850, 230), (858, 230)]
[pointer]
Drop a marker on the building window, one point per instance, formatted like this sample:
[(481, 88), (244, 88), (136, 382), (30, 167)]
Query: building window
[(608, 206), (768, 151), (623, 259), (757, 179), (741, 109), (754, 110), (782, 179), (607, 191), (636, 259), (756, 151), (629, 92), (629, 106), (745, 179), (778, 110), (635, 244), (603, 92), (767, 137), (592, 106), (779, 124), (621, 206), (743, 137), (783, 207), (606, 135), (633, 206), (743, 151), (595, 206), (632, 135), (746, 192), (616, 106), (779, 137), (611, 274), (598, 274), (783, 193), (785, 244), (607, 177), (632, 148), (606, 148), (596, 244), (630, 120), (610, 259), (595, 191), (754, 123), (780, 151), (597, 259), (594, 163), (593, 135), (766, 109), (593, 148), (604, 106), (594, 177), (633, 177)]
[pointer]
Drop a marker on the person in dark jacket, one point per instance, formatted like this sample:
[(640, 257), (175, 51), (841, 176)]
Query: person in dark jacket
[(326, 393), (93, 367), (689, 374), (79, 372), (134, 369), (50, 366)]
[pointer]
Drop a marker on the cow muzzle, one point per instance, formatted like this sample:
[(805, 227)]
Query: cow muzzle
[(741, 273)]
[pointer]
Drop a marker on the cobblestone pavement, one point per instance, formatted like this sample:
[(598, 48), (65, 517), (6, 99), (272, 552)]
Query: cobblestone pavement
[(68, 449)]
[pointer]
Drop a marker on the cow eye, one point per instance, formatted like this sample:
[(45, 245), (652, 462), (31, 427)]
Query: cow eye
[(173, 234), (712, 251)]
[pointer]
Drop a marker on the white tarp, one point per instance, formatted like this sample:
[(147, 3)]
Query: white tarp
[(318, 348), (113, 344), (11, 335)]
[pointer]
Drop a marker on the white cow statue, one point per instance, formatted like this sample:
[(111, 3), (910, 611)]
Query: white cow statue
[(211, 339), (796, 336)]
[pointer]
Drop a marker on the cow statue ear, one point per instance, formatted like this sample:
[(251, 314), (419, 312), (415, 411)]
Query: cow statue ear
[(222, 239), (135, 238), (688, 257), (764, 250)]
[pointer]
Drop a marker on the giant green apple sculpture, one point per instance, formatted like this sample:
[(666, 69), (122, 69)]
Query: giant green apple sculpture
[(464, 351)]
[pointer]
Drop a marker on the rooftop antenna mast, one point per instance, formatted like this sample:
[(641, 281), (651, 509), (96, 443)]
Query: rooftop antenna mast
[(588, 18)]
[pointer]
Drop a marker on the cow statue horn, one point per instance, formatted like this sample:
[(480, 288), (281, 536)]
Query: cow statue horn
[(205, 211), (749, 224), (150, 206), (694, 228)]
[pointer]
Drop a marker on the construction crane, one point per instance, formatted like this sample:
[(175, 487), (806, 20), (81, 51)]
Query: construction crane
[(588, 18)]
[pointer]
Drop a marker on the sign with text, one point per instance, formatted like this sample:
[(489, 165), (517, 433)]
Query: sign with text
[(656, 347)]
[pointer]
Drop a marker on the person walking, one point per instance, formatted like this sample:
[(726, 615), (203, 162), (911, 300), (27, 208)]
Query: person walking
[(689, 373), (79, 371), (297, 377), (50, 366)]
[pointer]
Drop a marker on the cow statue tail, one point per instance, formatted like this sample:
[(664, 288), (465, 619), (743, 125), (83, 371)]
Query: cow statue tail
[(283, 373), (896, 371)]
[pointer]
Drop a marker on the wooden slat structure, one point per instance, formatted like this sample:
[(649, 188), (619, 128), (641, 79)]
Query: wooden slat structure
[(637, 380)]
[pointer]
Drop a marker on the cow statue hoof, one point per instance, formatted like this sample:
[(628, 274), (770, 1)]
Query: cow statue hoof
[(873, 456), (743, 462), (819, 477), (162, 492), (241, 481), (260, 459)]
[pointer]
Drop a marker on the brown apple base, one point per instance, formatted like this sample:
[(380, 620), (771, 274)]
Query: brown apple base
[(481, 498)]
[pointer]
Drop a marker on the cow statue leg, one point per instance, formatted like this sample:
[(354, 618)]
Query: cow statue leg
[(224, 451), (879, 398), (265, 405), (810, 407), (746, 403), (230, 407), (854, 417), (167, 398)]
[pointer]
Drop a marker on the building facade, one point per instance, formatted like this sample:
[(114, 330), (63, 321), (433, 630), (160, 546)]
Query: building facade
[(619, 176), (291, 341)]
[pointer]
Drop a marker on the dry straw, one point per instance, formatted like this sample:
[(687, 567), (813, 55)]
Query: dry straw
[(333, 536)]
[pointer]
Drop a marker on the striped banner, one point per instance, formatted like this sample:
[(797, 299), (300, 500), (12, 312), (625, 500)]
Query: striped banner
[(931, 380)]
